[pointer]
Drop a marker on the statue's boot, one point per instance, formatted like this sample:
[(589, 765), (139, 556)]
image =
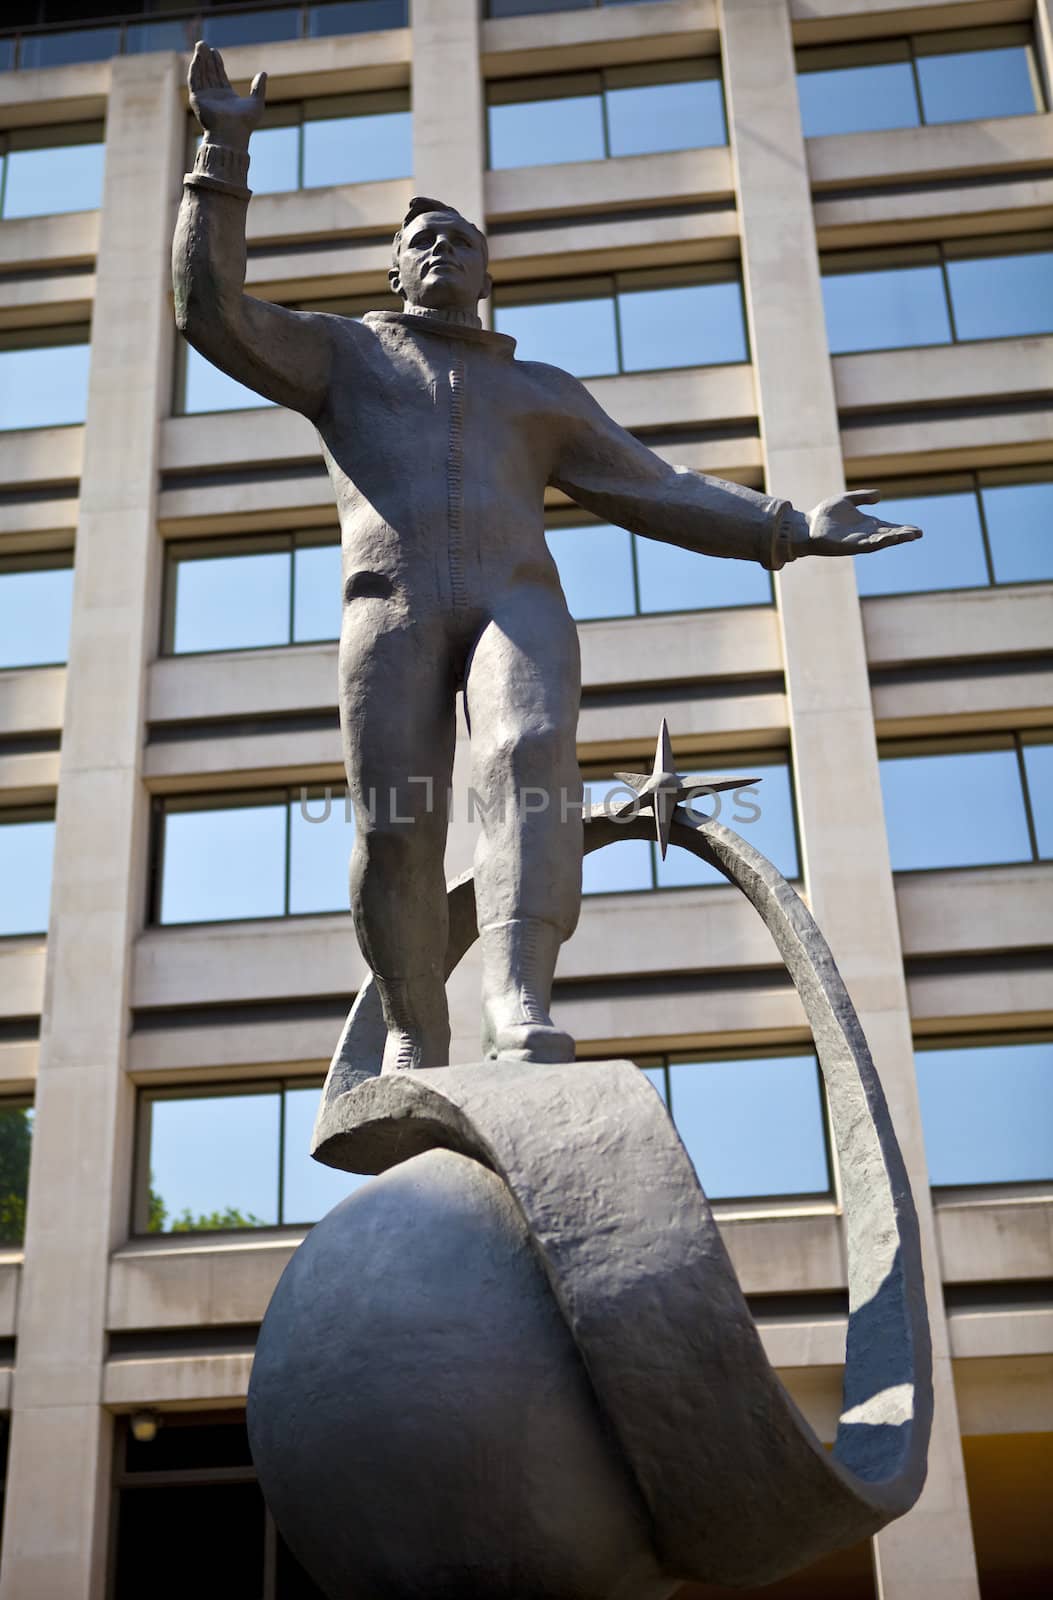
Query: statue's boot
[(519, 960), (418, 1021)]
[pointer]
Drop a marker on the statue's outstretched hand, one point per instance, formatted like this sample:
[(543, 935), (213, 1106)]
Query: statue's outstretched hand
[(227, 118), (837, 527)]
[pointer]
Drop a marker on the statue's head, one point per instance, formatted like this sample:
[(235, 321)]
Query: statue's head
[(438, 258)]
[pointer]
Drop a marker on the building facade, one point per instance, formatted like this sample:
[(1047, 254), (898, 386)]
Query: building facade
[(796, 243)]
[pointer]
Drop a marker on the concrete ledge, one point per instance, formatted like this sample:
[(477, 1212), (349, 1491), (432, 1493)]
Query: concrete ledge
[(1005, 1394), (37, 96), (987, 369), (967, 910), (982, 1240), (954, 148), (285, 958), (66, 240), (657, 31), (586, 246), (19, 1059), (22, 976), (337, 211), (1018, 1331), (34, 525), (609, 1024), (638, 936), (953, 212), (959, 625), (267, 434), (46, 302), (739, 643), (177, 1383), (275, 756), (892, 445), (578, 187), (242, 683), (10, 1281), (981, 702), (342, 64), (1005, 996), (29, 780), (30, 456), (688, 396), (196, 1280), (820, 21), (31, 699)]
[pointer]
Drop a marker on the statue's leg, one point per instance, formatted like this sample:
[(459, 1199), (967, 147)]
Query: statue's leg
[(523, 691), (397, 715)]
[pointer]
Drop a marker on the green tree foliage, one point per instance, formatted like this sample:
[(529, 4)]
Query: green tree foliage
[(16, 1142), (157, 1219)]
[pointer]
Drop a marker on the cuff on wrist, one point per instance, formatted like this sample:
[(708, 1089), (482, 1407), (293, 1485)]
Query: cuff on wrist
[(789, 537), (217, 166)]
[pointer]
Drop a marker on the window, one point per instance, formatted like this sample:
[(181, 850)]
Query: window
[(608, 572), (980, 529), (527, 8), (242, 594), (753, 1125), (59, 48), (44, 377), (16, 1143), (47, 170), (975, 802), (197, 1473), (36, 597), (260, 853), (763, 815), (27, 840), (987, 1112), (938, 294), (232, 1157), (628, 322), (901, 83), (618, 111), (351, 138)]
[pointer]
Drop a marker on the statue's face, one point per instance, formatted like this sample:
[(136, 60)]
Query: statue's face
[(441, 263)]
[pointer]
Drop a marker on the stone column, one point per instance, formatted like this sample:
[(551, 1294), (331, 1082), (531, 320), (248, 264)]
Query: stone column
[(58, 1495), (928, 1555), (449, 115)]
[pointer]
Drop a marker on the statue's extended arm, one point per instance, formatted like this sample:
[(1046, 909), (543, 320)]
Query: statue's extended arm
[(284, 355), (607, 471)]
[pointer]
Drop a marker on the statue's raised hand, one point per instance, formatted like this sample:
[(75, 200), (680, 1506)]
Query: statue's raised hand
[(228, 118), (837, 527)]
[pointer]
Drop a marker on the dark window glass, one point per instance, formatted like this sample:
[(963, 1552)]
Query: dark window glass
[(578, 335), (863, 99), (886, 309), (957, 809), (141, 37), (1019, 520), (46, 171), (357, 149), (224, 862), (356, 16), (762, 814), (65, 49), (36, 598), (237, 857), (16, 1144), (242, 594), (227, 1521), (27, 841), (631, 324), (1000, 297), (967, 84), (1038, 766), (987, 1113), (619, 111), (530, 8), (206, 388), (752, 1127), (950, 556), (43, 384), (252, 27), (232, 1158), (7, 55), (900, 83), (596, 570)]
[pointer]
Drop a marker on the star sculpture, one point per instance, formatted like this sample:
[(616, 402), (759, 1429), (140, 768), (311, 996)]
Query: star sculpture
[(663, 788)]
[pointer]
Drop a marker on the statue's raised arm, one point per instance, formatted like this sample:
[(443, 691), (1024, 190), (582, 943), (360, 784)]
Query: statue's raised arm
[(283, 355)]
